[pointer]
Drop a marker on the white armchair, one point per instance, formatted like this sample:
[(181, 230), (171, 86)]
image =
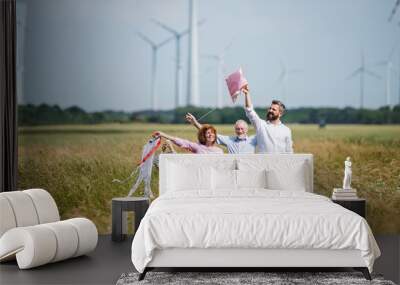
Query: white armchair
[(31, 230)]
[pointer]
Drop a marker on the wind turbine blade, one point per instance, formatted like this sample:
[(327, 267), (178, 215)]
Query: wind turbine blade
[(146, 39), (393, 50), (165, 27), (281, 77), (165, 41), (282, 74), (357, 71), (394, 10), (199, 23), (370, 73), (228, 46)]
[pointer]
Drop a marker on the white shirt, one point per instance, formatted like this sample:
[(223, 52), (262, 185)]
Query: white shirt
[(271, 138)]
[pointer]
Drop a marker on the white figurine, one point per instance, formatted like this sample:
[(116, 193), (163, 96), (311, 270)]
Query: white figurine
[(347, 174)]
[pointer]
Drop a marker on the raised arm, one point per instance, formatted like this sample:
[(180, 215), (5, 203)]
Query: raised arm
[(164, 135), (250, 113), (192, 119), (247, 99), (186, 144), (224, 140)]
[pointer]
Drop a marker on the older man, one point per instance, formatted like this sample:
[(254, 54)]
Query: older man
[(240, 143), (272, 135)]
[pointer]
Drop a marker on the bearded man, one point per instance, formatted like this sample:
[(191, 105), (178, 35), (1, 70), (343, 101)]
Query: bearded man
[(272, 135)]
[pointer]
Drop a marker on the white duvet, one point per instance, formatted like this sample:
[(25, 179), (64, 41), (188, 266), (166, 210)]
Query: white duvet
[(253, 218)]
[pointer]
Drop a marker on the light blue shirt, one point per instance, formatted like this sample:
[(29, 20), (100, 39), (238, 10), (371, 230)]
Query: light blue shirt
[(238, 145)]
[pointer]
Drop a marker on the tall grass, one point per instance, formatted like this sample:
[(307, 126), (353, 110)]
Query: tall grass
[(77, 164)]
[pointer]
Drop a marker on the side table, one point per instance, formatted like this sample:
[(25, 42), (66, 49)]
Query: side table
[(120, 206), (357, 205)]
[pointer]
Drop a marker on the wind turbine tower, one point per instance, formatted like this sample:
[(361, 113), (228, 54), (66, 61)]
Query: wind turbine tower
[(178, 64), (388, 64), (283, 79), (398, 75), (193, 68), (155, 47), (362, 71), (392, 14)]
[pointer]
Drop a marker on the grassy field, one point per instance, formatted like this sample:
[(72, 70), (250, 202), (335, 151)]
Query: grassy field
[(78, 163)]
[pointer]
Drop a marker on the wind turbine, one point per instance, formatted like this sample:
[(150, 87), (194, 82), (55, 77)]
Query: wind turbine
[(155, 48), (394, 10), (178, 66), (392, 14), (362, 71), (193, 57), (389, 70), (283, 78), (398, 73), (219, 58)]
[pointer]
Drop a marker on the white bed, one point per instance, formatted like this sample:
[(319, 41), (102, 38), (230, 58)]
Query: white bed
[(253, 210)]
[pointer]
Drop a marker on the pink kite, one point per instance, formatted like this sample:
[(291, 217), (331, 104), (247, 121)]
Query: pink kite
[(236, 82)]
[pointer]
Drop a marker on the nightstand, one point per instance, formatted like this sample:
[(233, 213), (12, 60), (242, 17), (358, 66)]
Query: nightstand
[(120, 206), (357, 205)]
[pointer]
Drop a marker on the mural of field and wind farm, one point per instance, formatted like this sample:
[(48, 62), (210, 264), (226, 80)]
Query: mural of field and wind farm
[(96, 78)]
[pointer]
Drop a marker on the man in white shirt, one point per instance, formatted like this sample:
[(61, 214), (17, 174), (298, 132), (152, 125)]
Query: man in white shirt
[(272, 135), (240, 143)]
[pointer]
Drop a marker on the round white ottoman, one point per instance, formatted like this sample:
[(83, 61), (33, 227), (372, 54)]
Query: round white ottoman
[(51, 242)]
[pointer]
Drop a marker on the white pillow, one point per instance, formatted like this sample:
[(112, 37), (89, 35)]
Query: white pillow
[(182, 177), (251, 178), (293, 180), (224, 179)]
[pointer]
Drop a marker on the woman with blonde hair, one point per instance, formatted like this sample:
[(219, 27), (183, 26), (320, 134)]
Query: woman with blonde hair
[(207, 136)]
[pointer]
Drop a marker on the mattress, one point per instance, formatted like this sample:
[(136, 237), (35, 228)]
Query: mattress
[(250, 219)]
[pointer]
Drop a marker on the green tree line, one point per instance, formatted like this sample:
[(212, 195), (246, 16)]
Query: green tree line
[(31, 115)]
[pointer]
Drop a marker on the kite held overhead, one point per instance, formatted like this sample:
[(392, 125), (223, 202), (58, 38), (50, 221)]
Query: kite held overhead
[(236, 82)]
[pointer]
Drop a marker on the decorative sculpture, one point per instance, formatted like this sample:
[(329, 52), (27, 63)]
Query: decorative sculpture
[(347, 174)]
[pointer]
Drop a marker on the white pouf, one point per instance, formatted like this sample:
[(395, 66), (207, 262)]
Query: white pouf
[(31, 232)]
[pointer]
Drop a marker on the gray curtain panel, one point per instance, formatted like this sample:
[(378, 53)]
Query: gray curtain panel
[(8, 97)]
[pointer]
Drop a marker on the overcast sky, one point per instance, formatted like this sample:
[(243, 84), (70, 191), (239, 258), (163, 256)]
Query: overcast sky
[(86, 53)]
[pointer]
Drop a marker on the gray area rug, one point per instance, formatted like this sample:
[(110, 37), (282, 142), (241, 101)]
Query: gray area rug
[(226, 278)]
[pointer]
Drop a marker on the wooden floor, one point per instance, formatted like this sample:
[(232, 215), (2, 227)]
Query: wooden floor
[(111, 259)]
